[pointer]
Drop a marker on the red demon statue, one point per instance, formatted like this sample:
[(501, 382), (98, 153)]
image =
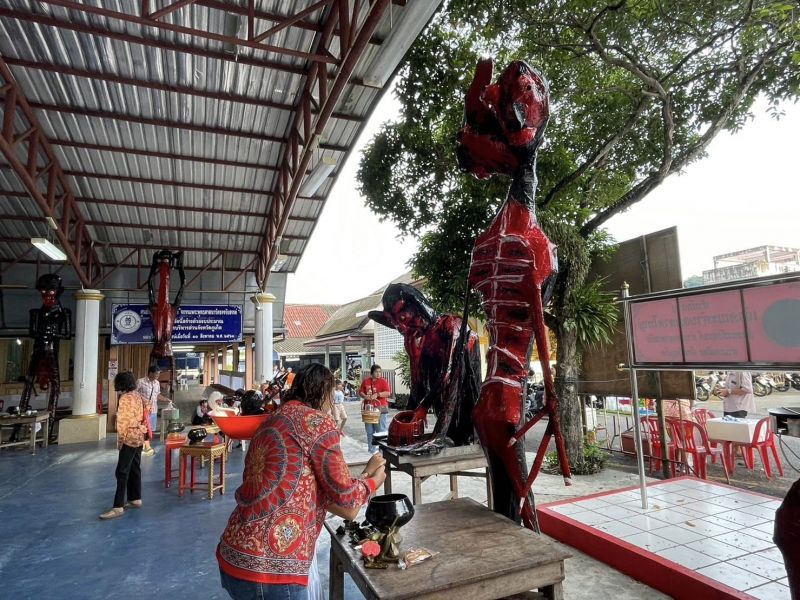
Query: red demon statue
[(162, 312), (512, 262), (445, 374), (48, 325)]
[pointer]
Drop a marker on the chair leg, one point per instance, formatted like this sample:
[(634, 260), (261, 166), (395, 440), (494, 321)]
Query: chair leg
[(725, 468), (765, 459), (777, 459)]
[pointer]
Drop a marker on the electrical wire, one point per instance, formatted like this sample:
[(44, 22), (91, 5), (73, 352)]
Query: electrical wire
[(784, 447)]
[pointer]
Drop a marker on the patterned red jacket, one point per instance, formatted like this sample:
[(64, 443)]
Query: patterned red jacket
[(293, 471)]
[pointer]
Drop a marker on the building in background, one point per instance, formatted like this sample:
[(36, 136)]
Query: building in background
[(302, 322), (753, 262)]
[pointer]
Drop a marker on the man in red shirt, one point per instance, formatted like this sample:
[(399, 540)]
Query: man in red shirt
[(375, 390)]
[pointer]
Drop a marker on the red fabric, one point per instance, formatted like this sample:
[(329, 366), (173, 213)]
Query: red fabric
[(370, 385), (293, 472)]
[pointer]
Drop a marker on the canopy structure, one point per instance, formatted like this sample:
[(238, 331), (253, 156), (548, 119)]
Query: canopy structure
[(213, 127)]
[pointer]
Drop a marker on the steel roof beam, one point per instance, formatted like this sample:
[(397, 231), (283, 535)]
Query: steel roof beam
[(144, 204), (163, 87), (52, 193), (267, 16), (131, 265), (147, 246), (294, 165), (154, 227), (169, 182), (164, 155), (101, 114), (197, 33)]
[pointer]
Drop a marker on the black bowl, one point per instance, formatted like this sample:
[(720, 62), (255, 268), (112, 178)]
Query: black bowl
[(391, 509), (196, 435), (175, 427)]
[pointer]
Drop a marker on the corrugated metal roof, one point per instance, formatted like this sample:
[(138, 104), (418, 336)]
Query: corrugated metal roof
[(178, 120)]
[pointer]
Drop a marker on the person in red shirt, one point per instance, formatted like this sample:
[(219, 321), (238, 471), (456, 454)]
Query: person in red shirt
[(294, 474), (375, 390)]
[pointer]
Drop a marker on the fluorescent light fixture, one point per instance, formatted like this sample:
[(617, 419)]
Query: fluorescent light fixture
[(318, 174), (52, 222), (49, 248), (280, 260), (415, 16), (19, 342)]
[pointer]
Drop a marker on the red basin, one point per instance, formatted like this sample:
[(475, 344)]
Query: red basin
[(239, 427)]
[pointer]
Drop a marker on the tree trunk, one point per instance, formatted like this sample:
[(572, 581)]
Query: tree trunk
[(569, 407)]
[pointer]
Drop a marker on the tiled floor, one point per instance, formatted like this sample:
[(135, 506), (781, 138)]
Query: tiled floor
[(718, 531)]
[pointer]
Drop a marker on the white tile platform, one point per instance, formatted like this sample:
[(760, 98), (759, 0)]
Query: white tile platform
[(696, 536)]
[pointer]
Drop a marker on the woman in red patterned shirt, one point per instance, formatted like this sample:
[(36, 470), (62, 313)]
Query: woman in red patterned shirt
[(294, 474)]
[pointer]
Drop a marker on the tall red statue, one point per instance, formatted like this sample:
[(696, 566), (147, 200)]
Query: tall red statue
[(512, 263), (162, 312), (445, 371), (48, 325)]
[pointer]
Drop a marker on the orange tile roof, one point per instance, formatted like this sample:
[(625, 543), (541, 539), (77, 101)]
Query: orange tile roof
[(304, 320)]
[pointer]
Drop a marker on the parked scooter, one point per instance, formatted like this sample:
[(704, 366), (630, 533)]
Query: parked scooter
[(761, 385), (794, 380), (706, 386)]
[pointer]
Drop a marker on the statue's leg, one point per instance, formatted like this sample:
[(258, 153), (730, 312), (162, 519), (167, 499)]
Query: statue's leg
[(27, 391), (55, 390)]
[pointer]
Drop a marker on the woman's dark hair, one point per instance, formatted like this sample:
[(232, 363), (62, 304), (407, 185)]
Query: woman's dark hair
[(124, 382), (252, 403), (374, 368), (313, 384)]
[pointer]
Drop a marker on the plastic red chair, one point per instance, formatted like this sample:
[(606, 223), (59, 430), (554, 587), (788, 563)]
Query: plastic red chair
[(702, 415), (650, 426), (763, 440), (691, 439)]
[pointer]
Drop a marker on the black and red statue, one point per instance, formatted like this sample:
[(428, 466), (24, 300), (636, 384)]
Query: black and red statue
[(512, 264), (162, 312), (445, 371), (47, 325)]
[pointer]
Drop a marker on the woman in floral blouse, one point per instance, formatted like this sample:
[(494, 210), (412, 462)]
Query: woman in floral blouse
[(294, 474), (131, 430)]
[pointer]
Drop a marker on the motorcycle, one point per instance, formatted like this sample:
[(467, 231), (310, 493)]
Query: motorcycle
[(781, 382), (793, 379), (534, 400), (761, 385), (705, 387)]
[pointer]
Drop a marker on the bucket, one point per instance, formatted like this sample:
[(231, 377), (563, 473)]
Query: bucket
[(794, 427)]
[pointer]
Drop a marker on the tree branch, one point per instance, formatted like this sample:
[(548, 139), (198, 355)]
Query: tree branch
[(599, 154), (654, 179)]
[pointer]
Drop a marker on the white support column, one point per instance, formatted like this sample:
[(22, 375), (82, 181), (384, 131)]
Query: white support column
[(327, 356), (343, 359), (85, 424), (263, 350)]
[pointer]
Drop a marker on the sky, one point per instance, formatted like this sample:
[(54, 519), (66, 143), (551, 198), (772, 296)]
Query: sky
[(743, 194)]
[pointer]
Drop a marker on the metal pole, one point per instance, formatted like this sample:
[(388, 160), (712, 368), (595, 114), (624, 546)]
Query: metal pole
[(637, 426)]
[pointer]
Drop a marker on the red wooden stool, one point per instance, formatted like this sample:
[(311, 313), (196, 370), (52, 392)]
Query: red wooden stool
[(209, 451), (169, 446)]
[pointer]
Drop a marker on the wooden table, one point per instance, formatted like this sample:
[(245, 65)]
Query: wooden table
[(42, 417), (210, 452), (454, 462), (482, 556)]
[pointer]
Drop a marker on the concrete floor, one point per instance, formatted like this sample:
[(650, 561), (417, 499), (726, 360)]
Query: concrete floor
[(56, 547)]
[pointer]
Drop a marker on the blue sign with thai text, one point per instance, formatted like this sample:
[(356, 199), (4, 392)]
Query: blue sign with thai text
[(131, 324)]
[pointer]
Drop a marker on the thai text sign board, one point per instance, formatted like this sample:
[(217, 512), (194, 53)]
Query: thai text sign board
[(751, 324), (131, 324)]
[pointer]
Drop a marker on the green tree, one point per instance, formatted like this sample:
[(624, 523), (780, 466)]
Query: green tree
[(693, 281), (638, 91)]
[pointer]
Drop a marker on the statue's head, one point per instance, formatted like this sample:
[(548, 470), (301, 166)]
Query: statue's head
[(165, 256), (49, 286), (503, 121), (404, 309)]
